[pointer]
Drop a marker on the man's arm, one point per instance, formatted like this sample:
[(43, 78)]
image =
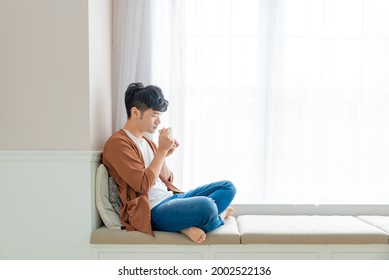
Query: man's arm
[(165, 145), (165, 172), (124, 163)]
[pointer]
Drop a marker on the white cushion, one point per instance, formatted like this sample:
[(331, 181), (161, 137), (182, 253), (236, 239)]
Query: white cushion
[(107, 213)]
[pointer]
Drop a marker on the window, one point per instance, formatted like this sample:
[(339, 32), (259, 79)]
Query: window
[(288, 99)]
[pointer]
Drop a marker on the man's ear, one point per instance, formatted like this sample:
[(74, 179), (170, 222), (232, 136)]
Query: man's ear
[(135, 113)]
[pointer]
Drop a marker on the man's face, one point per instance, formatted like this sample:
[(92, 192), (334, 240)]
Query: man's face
[(150, 120)]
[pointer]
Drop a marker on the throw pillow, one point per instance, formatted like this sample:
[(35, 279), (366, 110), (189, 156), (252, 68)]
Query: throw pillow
[(107, 213)]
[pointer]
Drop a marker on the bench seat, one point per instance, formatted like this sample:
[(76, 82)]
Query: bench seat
[(256, 237), (245, 236)]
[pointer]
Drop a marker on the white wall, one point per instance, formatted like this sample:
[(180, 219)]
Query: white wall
[(55, 116)]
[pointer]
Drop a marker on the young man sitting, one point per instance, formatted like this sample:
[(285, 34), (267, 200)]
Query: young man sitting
[(149, 200)]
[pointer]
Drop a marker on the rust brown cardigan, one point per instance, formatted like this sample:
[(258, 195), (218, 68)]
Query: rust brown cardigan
[(125, 164)]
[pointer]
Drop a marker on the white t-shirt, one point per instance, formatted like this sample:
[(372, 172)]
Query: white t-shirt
[(159, 191)]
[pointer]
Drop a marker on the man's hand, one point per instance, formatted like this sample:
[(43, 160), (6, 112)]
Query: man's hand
[(166, 143), (175, 146), (165, 148)]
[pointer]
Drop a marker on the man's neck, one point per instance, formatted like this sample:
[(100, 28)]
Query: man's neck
[(129, 126)]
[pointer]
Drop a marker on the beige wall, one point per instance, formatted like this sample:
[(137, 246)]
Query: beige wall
[(55, 74), (100, 83)]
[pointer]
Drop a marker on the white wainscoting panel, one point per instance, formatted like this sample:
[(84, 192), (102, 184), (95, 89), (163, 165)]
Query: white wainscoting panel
[(46, 204)]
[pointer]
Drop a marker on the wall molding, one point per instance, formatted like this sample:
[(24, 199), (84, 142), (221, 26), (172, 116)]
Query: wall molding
[(51, 156)]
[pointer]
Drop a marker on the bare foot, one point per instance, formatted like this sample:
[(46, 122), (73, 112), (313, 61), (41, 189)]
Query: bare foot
[(227, 213), (195, 234)]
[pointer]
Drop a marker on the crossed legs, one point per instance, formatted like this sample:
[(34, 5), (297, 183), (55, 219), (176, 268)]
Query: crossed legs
[(196, 212)]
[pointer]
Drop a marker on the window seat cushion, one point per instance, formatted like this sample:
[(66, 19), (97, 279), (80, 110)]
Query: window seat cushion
[(226, 234), (302, 229)]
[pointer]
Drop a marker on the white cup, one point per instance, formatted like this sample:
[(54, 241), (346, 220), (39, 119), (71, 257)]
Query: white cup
[(170, 129)]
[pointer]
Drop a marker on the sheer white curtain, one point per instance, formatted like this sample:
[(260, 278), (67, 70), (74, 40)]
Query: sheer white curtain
[(147, 48), (329, 129), (227, 76), (285, 98), (132, 49)]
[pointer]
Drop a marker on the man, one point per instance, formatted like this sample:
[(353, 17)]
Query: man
[(149, 200)]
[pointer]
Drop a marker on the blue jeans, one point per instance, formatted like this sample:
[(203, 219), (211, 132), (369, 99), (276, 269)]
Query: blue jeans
[(199, 207)]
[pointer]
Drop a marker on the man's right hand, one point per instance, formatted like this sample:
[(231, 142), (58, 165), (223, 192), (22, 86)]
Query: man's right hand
[(165, 140)]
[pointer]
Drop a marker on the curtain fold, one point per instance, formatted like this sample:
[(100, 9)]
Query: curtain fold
[(169, 73), (132, 50)]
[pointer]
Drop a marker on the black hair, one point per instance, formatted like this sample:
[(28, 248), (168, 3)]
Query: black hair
[(144, 98)]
